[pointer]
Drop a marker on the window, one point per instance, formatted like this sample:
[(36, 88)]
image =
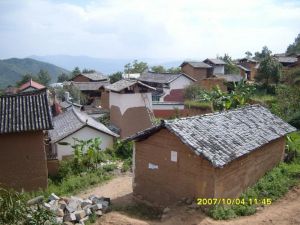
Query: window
[(173, 156), (155, 98)]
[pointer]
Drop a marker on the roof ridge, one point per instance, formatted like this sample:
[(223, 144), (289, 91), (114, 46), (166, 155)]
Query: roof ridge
[(77, 116), (34, 92), (215, 113)]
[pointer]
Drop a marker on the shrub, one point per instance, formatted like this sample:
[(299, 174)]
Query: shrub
[(123, 149), (127, 164), (198, 104), (295, 120)]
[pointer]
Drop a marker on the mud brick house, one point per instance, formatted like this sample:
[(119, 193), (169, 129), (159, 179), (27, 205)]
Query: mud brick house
[(214, 155), (76, 124), (130, 105), (287, 61), (248, 68), (23, 118), (90, 85), (30, 86), (169, 87), (197, 70), (218, 65)]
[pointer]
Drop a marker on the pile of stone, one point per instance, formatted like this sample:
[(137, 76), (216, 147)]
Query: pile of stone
[(73, 210)]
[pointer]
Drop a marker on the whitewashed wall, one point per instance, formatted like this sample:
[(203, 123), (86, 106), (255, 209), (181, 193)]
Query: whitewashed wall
[(83, 134), (125, 101)]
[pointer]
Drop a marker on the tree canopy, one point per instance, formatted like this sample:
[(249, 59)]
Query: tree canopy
[(41, 77), (162, 69), (230, 67), (135, 67), (115, 77), (263, 54), (269, 71), (62, 77), (295, 47)]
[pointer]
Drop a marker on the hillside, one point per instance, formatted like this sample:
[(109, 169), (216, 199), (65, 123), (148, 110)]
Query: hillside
[(12, 69)]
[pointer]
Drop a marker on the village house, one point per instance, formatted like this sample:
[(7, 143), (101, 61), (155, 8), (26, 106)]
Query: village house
[(287, 61), (90, 85), (76, 124), (30, 86), (23, 118), (169, 87), (130, 106), (197, 70), (248, 68), (218, 65), (217, 155)]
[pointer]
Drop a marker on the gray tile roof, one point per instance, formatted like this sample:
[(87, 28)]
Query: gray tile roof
[(123, 84), (28, 111), (161, 78), (73, 120), (287, 59), (224, 136), (90, 86), (196, 64), (216, 61), (230, 77), (95, 76)]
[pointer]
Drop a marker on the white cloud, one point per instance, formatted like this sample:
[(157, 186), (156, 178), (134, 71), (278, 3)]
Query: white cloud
[(154, 29)]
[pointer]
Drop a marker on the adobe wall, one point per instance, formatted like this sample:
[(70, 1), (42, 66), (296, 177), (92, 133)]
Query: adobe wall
[(209, 83), (234, 178), (23, 161), (133, 120), (196, 73), (53, 167), (105, 99), (190, 176)]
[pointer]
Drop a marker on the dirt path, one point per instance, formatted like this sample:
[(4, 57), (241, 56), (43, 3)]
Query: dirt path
[(283, 212)]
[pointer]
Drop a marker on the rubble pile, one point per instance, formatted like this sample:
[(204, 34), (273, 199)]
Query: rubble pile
[(73, 210)]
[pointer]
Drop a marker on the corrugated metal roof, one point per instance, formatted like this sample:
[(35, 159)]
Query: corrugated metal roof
[(28, 111), (224, 136), (73, 120)]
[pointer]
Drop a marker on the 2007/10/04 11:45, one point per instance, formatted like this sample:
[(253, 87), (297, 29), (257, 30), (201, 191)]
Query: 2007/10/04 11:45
[(234, 201)]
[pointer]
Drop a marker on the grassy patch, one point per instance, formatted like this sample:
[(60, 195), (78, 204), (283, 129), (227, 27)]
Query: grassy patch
[(265, 99), (273, 185), (198, 104), (140, 211)]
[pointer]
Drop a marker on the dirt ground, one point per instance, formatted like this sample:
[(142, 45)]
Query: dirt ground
[(282, 212)]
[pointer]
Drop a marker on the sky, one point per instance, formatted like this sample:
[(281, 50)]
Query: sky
[(160, 29)]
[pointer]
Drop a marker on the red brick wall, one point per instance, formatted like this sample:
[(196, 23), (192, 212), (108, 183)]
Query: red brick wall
[(176, 95), (196, 73)]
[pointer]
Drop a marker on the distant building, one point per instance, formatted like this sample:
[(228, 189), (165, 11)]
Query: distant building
[(131, 75), (248, 68), (197, 70), (169, 87), (76, 124), (218, 65), (23, 118), (209, 156), (90, 77), (30, 86), (130, 105)]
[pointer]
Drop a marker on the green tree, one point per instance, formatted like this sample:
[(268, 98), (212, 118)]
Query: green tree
[(62, 77), (230, 67), (174, 70), (265, 52), (248, 54), (295, 47), (43, 77), (192, 92), (135, 67), (88, 70), (76, 71), (115, 77), (25, 78), (269, 71), (158, 69)]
